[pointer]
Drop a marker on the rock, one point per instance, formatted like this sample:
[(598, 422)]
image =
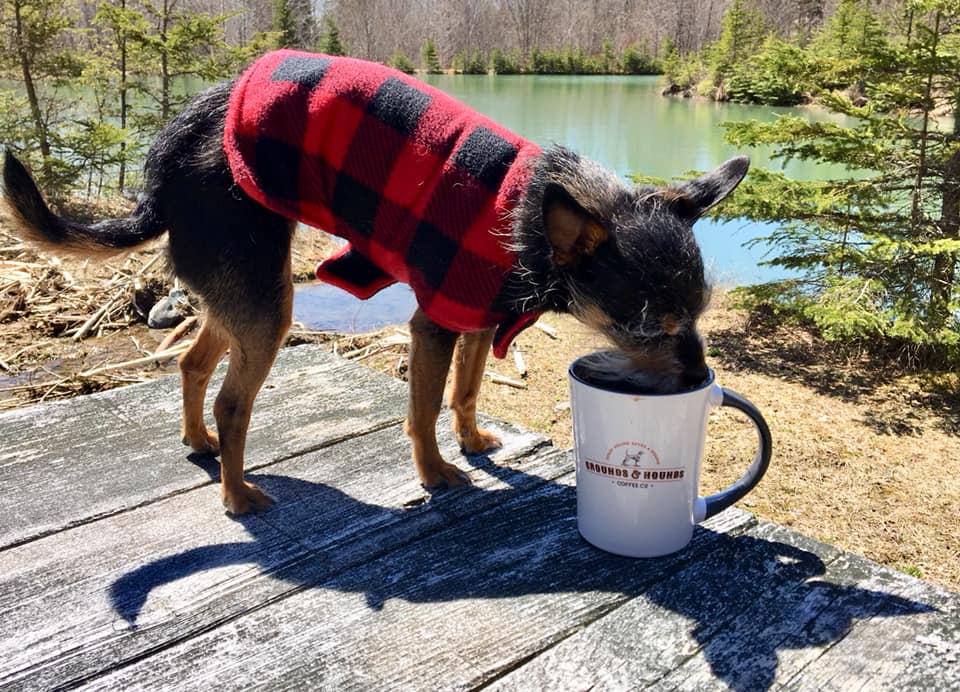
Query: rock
[(169, 311)]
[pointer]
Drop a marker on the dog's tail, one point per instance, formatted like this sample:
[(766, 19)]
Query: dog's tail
[(35, 223)]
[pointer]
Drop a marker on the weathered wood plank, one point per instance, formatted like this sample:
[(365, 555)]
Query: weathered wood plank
[(772, 606), (681, 619), (452, 610), (901, 634), (788, 630), (68, 462), (84, 600)]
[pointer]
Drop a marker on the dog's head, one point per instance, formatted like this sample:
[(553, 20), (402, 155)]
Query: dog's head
[(626, 261)]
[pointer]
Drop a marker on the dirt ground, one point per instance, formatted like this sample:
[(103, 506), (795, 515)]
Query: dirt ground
[(865, 455)]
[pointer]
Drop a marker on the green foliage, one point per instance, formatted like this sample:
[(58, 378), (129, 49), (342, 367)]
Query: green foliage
[(851, 41), (742, 33), (330, 42), (503, 63), (431, 61), (285, 25), (400, 61), (876, 252), (34, 49), (636, 60), (779, 74), (470, 62), (682, 73), (98, 148), (16, 124), (606, 62), (175, 45), (568, 60)]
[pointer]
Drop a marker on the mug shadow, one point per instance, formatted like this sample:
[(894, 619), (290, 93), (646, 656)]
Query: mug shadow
[(745, 598)]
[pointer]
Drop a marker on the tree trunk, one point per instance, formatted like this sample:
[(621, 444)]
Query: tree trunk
[(122, 40), (164, 64), (944, 276), (25, 66)]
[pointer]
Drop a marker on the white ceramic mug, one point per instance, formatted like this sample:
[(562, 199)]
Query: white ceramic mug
[(638, 463)]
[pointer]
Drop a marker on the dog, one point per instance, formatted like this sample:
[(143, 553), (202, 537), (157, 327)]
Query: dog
[(488, 229)]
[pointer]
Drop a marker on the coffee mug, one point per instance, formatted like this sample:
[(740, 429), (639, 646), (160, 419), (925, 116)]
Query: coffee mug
[(638, 458)]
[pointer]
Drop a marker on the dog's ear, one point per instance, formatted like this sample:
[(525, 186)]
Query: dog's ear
[(572, 231), (691, 199)]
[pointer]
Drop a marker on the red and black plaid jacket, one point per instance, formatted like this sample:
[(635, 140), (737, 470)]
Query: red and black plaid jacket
[(419, 185)]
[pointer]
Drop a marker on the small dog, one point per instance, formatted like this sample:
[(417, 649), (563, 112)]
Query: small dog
[(488, 229)]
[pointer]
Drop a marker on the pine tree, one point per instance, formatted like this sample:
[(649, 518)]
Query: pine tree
[(742, 32), (876, 251), (400, 61), (32, 39), (431, 61), (284, 24), (330, 42)]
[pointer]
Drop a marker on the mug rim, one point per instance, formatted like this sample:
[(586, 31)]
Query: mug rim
[(707, 383)]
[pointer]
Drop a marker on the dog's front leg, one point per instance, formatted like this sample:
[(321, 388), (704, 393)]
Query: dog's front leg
[(431, 349), (469, 362)]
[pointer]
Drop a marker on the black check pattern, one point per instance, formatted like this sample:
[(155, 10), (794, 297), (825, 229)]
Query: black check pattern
[(417, 183)]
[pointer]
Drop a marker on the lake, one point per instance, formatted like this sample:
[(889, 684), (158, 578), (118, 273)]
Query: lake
[(622, 122)]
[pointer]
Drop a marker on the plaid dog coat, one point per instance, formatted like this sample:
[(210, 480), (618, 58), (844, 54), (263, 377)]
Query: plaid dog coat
[(419, 185)]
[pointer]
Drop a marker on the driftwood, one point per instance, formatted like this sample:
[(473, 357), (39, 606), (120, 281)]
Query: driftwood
[(547, 329), (500, 379), (31, 284), (157, 357), (518, 360)]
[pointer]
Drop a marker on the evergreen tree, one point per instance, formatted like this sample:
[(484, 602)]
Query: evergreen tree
[(330, 42), (501, 63), (107, 74), (741, 34), (431, 61), (33, 39), (851, 40), (780, 74), (175, 44), (877, 251), (284, 24), (400, 61)]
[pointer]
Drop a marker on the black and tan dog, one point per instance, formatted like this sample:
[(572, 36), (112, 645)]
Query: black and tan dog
[(488, 229)]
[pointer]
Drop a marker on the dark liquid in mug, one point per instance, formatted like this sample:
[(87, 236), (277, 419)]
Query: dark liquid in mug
[(615, 372)]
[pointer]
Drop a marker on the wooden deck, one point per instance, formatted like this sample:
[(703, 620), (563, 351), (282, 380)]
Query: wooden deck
[(119, 569)]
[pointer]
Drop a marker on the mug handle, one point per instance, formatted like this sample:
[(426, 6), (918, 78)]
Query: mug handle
[(708, 506)]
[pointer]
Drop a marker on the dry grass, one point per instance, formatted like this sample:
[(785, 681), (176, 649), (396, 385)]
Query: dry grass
[(865, 456)]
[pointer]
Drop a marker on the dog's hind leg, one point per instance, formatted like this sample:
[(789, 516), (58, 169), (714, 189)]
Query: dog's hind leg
[(196, 367), (242, 271), (253, 343), (469, 361), (251, 355), (431, 349)]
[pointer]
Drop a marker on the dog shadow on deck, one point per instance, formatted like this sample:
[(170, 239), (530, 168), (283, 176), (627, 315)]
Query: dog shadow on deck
[(745, 598)]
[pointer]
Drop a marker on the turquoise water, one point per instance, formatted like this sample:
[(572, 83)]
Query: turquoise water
[(625, 124)]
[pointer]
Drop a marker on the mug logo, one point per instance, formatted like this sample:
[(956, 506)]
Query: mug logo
[(633, 461)]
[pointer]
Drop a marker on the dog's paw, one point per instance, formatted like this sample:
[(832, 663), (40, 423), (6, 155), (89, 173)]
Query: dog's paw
[(444, 475), (479, 441), (245, 498), (205, 441)]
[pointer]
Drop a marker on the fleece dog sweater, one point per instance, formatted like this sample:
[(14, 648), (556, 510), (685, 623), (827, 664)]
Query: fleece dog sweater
[(420, 186)]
